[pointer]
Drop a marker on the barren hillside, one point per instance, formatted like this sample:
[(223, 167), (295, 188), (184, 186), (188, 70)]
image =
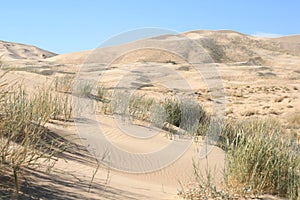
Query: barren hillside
[(222, 46), (13, 51), (260, 79)]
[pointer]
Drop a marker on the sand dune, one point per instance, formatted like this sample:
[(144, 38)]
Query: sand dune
[(13, 51), (260, 78), (161, 184), (222, 46)]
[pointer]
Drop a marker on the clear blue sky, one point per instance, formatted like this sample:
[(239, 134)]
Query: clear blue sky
[(65, 26)]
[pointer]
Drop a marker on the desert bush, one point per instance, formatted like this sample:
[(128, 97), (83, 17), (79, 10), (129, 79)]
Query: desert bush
[(136, 106), (192, 115), (46, 72)]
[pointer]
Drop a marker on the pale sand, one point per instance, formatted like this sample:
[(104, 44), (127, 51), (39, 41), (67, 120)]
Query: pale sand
[(162, 184), (254, 88)]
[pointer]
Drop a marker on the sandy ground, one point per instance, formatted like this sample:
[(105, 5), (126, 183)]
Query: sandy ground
[(112, 184), (257, 90), (71, 176)]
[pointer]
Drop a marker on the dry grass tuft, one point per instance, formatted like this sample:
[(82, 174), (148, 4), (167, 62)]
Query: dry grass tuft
[(260, 159), (23, 136)]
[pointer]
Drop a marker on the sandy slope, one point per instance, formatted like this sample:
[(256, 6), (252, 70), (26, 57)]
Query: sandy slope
[(260, 77), (71, 176), (162, 184), (222, 46), (13, 51)]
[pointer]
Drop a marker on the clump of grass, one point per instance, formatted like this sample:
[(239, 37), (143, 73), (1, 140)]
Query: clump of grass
[(64, 84), (183, 113), (260, 160), (294, 120), (102, 92), (204, 186), (23, 135), (57, 105), (140, 106), (186, 114), (83, 88), (173, 111)]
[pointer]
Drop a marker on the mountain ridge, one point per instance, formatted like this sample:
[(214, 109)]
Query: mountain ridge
[(222, 46)]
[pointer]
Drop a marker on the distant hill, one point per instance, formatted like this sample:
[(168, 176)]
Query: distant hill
[(222, 46), (12, 51), (290, 43)]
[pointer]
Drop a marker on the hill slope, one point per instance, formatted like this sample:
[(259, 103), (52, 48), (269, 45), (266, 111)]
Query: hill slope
[(13, 51), (222, 47)]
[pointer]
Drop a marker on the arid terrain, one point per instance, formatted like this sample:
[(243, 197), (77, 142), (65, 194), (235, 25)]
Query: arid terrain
[(244, 76)]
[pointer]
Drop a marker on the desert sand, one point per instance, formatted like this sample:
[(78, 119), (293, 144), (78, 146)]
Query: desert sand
[(260, 78)]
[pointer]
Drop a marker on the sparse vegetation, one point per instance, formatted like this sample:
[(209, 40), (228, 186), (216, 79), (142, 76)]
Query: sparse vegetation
[(102, 92), (181, 113), (280, 99), (23, 135), (171, 61), (64, 84), (248, 113), (83, 88), (294, 120), (261, 77), (266, 74), (204, 187), (139, 107), (260, 159)]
